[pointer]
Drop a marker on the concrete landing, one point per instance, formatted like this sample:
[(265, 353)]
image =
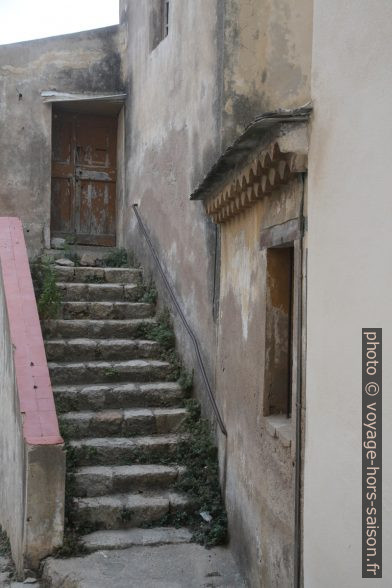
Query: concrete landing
[(167, 566)]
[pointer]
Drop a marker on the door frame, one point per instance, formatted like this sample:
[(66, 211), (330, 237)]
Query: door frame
[(100, 104)]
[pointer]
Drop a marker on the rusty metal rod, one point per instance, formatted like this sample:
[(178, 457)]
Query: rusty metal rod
[(184, 321)]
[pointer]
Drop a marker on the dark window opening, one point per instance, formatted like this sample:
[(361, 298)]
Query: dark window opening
[(279, 331), (165, 18), (159, 22)]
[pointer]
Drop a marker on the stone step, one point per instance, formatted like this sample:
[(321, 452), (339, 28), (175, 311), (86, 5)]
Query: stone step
[(96, 253), (125, 450), (125, 538), (118, 422), (100, 349), (122, 511), (73, 291), (117, 275), (96, 329), (101, 480), (109, 371), (98, 397), (106, 310)]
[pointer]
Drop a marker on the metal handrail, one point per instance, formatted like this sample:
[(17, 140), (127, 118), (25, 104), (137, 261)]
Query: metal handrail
[(184, 321)]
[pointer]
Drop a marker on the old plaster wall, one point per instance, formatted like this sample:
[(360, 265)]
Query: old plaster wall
[(190, 94), (260, 472), (82, 62), (12, 454), (266, 59), (349, 238), (171, 139)]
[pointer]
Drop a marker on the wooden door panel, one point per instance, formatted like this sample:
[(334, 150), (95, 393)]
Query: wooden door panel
[(97, 206), (62, 205), (96, 139), (62, 142), (84, 178)]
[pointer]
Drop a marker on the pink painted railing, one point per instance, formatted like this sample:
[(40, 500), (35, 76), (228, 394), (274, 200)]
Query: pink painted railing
[(40, 425)]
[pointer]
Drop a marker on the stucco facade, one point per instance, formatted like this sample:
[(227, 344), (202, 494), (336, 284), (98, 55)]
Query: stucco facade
[(349, 241)]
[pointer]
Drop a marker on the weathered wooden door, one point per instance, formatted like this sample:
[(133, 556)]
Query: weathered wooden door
[(84, 178)]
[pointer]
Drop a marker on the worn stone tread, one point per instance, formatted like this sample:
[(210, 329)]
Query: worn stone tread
[(94, 328), (108, 371), (108, 510), (127, 422), (81, 291), (100, 349), (106, 310), (125, 450), (185, 565), (100, 480), (128, 395), (124, 538), (109, 274)]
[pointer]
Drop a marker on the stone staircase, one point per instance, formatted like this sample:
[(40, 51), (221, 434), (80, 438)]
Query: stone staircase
[(118, 408)]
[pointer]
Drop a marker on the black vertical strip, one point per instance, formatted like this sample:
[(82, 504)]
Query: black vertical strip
[(372, 453)]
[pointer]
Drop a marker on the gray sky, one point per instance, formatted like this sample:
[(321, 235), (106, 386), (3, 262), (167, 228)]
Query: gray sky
[(21, 20)]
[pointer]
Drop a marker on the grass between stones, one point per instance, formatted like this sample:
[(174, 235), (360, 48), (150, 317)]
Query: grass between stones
[(196, 451), (5, 548), (47, 293), (200, 482), (117, 258)]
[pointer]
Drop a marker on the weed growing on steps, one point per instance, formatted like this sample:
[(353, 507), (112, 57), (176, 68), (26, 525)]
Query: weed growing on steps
[(69, 254), (185, 380), (94, 280), (72, 545), (126, 514), (116, 258), (5, 548), (200, 481), (111, 372), (161, 331), (149, 294), (196, 451), (5, 552), (46, 290), (74, 527)]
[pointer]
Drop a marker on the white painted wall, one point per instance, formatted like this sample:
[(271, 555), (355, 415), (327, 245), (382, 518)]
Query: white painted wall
[(349, 279)]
